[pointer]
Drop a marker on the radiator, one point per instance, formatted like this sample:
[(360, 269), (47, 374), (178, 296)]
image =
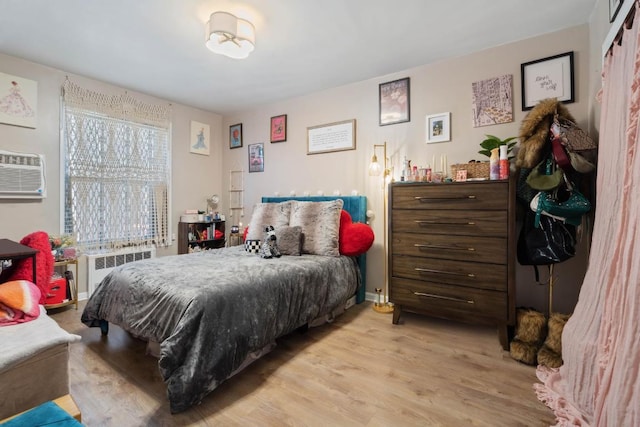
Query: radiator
[(99, 265)]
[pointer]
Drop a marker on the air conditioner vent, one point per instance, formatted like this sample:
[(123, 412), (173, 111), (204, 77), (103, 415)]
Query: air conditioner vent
[(21, 176)]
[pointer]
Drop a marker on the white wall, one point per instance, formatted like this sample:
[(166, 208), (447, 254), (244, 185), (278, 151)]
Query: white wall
[(435, 88)]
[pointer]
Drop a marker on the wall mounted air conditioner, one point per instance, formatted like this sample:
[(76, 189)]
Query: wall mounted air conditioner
[(22, 176)]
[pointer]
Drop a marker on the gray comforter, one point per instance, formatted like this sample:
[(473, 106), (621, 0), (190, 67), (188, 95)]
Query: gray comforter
[(210, 310)]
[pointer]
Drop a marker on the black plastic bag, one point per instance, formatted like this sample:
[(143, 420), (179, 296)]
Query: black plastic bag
[(550, 243)]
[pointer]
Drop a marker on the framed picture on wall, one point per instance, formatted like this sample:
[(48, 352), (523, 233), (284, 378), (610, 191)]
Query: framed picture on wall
[(256, 157), (279, 128), (200, 138), (439, 127), (235, 136), (550, 77), (614, 8), (394, 102), (18, 101)]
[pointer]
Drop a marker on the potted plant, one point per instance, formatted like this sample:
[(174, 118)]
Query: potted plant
[(494, 142)]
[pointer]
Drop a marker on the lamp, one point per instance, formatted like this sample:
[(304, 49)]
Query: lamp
[(374, 170), (230, 36)]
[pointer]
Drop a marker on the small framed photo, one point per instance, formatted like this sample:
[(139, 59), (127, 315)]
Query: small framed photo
[(439, 127), (235, 136), (256, 157), (279, 128), (394, 102), (550, 77), (614, 8)]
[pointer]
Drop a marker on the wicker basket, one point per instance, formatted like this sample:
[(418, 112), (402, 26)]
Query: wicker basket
[(474, 170)]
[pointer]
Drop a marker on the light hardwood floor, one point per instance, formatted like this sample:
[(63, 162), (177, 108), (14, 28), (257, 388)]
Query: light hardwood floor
[(360, 370)]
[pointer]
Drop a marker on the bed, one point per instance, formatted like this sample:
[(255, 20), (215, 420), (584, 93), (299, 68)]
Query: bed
[(214, 312)]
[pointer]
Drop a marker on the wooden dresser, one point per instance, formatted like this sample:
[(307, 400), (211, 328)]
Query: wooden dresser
[(452, 251)]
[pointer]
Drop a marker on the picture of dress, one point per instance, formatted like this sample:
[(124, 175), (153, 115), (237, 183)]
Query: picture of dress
[(199, 141), (18, 99)]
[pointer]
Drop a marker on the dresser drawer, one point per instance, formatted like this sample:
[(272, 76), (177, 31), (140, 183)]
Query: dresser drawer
[(452, 302), (466, 196), (453, 272), (450, 222), (491, 250)]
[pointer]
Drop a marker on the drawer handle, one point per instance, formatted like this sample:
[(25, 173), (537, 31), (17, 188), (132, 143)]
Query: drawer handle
[(453, 248), (422, 294), (426, 199), (426, 221), (452, 273)]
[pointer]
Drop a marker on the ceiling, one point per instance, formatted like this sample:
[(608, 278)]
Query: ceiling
[(302, 46)]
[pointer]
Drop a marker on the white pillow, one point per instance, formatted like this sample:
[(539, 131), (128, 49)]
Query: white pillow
[(320, 222), (265, 214)]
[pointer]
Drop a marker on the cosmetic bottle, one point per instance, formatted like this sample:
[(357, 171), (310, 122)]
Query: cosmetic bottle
[(494, 164), (504, 162)]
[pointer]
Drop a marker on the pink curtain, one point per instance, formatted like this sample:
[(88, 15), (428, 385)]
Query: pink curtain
[(599, 383)]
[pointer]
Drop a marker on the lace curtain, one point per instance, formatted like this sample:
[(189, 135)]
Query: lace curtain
[(117, 169), (598, 383)]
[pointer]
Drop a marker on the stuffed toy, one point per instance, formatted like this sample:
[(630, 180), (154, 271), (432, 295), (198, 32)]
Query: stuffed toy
[(534, 131), (531, 330), (23, 270), (269, 247), (550, 354), (355, 237)]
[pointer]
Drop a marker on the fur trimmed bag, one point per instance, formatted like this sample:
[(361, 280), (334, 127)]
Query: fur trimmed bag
[(534, 131)]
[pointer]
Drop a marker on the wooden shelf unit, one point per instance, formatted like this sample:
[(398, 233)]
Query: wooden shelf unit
[(189, 235), (73, 284)]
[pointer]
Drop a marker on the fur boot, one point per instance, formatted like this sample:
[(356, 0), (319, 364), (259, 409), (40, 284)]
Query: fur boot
[(550, 353), (534, 131), (531, 330)]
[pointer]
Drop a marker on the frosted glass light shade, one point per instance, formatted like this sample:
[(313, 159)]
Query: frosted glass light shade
[(230, 36)]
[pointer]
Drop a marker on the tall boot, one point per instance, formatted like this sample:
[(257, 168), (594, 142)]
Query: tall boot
[(531, 330), (550, 354)]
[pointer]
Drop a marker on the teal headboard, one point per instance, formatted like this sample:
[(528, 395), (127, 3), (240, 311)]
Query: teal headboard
[(357, 208)]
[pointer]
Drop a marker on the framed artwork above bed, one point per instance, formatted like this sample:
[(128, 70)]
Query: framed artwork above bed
[(256, 157)]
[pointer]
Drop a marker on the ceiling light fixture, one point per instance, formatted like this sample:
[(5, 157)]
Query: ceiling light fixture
[(230, 36)]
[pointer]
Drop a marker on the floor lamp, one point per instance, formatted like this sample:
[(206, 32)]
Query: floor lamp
[(375, 169)]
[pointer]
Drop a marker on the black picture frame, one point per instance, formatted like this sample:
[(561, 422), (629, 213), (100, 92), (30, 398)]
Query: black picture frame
[(235, 136), (256, 157), (614, 8), (394, 102), (550, 77)]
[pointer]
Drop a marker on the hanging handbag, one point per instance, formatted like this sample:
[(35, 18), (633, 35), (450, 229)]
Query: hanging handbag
[(565, 203), (545, 175), (550, 243), (571, 135), (569, 160), (569, 210)]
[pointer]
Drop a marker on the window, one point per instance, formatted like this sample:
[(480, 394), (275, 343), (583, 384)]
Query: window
[(116, 154)]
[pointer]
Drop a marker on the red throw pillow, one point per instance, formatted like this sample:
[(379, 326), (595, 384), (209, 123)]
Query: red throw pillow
[(44, 263), (355, 237)]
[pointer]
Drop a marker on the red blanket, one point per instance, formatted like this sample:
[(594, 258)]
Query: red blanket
[(18, 302)]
